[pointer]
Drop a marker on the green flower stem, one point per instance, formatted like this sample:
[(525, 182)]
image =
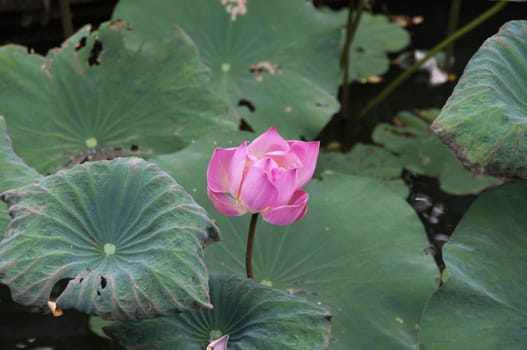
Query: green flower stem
[(453, 20), (250, 244), (65, 15), (449, 40), (352, 25)]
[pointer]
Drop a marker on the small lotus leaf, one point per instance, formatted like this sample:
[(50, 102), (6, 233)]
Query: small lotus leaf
[(421, 152), (253, 315), (276, 64), (119, 239), (483, 121), (375, 37), (483, 304), (99, 97)]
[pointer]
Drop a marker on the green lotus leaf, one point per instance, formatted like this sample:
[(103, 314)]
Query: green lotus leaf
[(13, 171), (278, 60), (119, 239), (421, 151), (359, 252), (99, 97), (366, 160), (375, 37), (483, 121), (483, 304), (253, 315)]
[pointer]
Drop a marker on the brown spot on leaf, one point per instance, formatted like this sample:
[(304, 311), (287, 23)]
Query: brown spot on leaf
[(93, 155), (119, 23), (263, 67), (55, 309)]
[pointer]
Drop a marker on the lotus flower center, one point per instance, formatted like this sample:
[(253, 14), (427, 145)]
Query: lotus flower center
[(91, 142), (109, 249)]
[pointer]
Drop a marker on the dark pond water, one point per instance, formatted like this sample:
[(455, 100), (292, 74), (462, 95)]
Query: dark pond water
[(23, 328)]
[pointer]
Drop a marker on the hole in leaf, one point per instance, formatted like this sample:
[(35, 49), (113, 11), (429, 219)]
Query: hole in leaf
[(134, 148), (245, 126), (247, 103), (359, 49), (321, 105), (95, 53), (58, 288), (103, 282), (80, 44)]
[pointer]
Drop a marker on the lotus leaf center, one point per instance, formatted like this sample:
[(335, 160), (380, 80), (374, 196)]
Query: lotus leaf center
[(91, 142), (109, 249), (225, 67), (215, 334), (267, 283)]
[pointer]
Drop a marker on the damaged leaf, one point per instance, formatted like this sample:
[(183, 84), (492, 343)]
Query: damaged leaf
[(13, 171), (118, 239), (256, 55), (484, 120), (100, 91)]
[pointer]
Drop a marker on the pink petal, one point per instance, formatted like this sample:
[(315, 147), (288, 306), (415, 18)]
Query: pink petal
[(257, 191), (269, 141), (237, 168), (307, 152), (287, 214), (284, 181), (225, 204), (285, 159), (218, 169)]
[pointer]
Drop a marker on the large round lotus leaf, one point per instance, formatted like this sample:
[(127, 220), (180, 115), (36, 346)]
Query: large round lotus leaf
[(359, 252), (483, 121), (13, 171), (483, 304), (119, 239), (421, 152), (254, 316), (375, 37), (98, 97), (279, 59)]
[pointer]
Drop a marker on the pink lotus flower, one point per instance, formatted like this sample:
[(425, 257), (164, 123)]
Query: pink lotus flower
[(264, 176)]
